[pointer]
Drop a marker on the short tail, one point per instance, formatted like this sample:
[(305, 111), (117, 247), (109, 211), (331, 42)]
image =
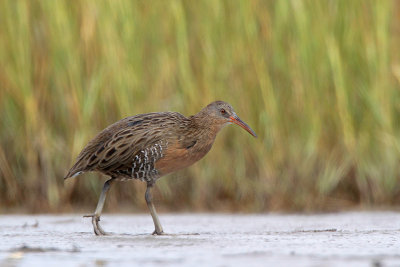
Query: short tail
[(75, 170), (71, 174)]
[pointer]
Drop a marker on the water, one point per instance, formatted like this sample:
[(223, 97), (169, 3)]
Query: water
[(343, 239)]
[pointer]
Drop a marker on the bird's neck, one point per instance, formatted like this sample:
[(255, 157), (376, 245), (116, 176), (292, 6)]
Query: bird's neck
[(204, 127)]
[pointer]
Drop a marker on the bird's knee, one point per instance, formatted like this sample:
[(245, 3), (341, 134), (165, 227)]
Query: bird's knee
[(148, 197)]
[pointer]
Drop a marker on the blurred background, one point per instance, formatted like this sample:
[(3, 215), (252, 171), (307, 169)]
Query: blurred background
[(318, 81)]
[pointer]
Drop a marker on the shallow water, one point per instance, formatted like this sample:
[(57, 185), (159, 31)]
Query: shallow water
[(343, 239)]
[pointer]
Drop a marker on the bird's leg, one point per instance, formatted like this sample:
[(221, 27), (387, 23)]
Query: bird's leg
[(96, 216), (158, 228)]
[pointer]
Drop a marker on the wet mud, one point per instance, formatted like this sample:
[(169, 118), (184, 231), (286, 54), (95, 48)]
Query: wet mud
[(342, 239)]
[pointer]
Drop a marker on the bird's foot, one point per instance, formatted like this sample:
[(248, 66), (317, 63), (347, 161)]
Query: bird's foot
[(96, 226), (158, 232)]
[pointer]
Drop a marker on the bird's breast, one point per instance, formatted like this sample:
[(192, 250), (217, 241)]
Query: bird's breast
[(178, 157)]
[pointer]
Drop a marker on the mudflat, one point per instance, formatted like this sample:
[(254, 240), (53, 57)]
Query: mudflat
[(336, 239)]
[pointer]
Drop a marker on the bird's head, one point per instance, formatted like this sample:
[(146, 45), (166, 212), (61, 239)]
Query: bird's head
[(222, 113)]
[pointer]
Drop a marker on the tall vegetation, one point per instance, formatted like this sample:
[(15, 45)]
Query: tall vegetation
[(319, 81)]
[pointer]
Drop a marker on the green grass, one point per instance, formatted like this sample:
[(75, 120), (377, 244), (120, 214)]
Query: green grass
[(319, 82)]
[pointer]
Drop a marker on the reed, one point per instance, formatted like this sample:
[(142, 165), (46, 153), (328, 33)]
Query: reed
[(317, 80)]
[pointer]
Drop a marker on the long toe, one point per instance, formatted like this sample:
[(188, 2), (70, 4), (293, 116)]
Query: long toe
[(96, 226), (158, 232), (98, 230)]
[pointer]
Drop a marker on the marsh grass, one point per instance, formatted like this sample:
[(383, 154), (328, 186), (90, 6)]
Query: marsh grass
[(317, 80)]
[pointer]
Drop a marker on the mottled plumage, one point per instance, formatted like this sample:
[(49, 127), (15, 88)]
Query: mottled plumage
[(149, 146), (124, 150)]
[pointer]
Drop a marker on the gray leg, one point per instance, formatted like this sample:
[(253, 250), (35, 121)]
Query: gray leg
[(157, 224), (96, 216)]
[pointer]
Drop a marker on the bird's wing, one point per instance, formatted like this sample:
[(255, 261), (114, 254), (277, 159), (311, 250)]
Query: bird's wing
[(117, 146)]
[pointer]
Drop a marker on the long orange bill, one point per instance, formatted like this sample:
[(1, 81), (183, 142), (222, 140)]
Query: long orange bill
[(236, 120)]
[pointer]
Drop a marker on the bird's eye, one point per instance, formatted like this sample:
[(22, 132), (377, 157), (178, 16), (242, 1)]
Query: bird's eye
[(223, 111)]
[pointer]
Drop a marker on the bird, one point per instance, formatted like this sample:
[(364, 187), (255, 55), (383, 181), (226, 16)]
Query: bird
[(148, 146)]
